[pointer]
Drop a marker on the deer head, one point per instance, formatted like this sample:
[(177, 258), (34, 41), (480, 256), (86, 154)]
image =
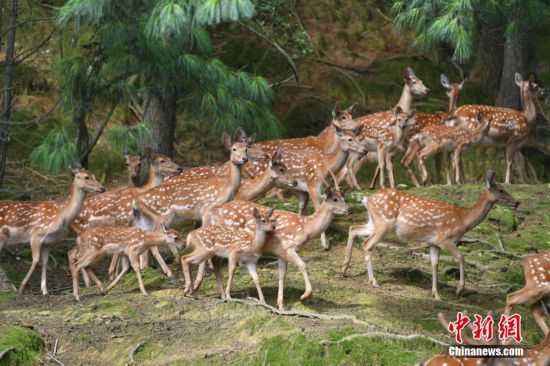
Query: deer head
[(404, 119), (350, 139), (528, 88), (86, 181), (133, 163), (417, 87), (336, 202), (163, 165), (278, 169), (498, 194), (343, 118), (238, 150), (264, 222)]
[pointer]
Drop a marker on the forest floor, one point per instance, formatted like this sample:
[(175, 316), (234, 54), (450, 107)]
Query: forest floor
[(167, 328)]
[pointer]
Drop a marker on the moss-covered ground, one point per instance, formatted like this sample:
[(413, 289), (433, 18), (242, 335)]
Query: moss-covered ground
[(168, 328)]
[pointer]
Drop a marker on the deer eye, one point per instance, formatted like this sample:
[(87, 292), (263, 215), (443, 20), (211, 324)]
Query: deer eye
[(162, 161), (234, 149), (87, 178), (349, 140), (335, 199), (127, 164), (263, 220), (281, 170)]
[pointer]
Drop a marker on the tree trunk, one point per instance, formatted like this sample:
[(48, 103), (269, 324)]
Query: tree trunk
[(516, 59), (159, 112), (487, 68), (82, 135), (8, 92)]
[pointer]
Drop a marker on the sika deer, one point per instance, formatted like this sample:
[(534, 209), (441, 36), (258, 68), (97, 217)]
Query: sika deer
[(133, 166), (236, 244), (412, 217), (293, 232), (44, 222), (94, 243), (538, 355), (435, 139), (536, 270), (508, 127), (191, 199)]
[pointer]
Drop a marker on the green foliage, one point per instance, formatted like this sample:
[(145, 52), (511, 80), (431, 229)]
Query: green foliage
[(56, 152), (134, 139), (27, 346)]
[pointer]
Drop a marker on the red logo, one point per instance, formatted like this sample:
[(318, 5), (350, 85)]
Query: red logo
[(483, 328), (510, 327), (457, 326)]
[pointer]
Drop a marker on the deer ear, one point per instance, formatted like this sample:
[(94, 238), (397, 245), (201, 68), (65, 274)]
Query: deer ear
[(250, 140), (276, 155), (461, 85), (408, 73), (518, 78), (411, 113), (255, 213), (226, 140), (125, 150), (270, 212), (397, 110), (351, 108), (163, 228), (339, 130), (445, 81), (240, 135), (358, 129), (490, 179), (336, 109)]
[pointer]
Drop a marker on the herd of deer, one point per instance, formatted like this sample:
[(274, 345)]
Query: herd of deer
[(131, 223)]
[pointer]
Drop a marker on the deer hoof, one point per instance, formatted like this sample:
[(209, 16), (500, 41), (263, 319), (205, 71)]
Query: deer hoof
[(436, 297), (459, 290), (375, 285), (169, 274), (306, 295)]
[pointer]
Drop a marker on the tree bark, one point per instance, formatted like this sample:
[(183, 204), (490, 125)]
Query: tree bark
[(487, 68), (82, 135), (516, 59), (8, 92), (159, 112)]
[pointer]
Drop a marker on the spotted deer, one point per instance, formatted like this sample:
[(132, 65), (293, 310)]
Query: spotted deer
[(413, 88), (190, 200), (233, 243), (437, 139), (94, 243), (418, 218), (538, 355), (388, 140), (114, 208), (292, 232), (507, 127), (133, 167), (536, 270), (42, 223)]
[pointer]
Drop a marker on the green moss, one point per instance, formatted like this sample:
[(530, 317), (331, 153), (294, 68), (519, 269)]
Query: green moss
[(10, 295), (152, 278), (103, 308), (27, 345)]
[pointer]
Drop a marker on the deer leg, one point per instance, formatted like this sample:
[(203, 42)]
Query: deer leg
[(293, 257), (125, 268), (200, 275), (282, 274), (407, 163), (539, 314), (434, 257), (374, 177), (114, 266), (447, 168), (86, 278), (35, 250), (455, 252), (74, 273), (134, 262), (155, 251), (145, 260), (316, 200), (216, 262), (254, 274), (521, 296), (367, 248), (389, 169), (437, 159), (457, 161), (44, 255), (303, 199), (232, 267), (382, 166), (354, 231), (511, 149), (95, 279)]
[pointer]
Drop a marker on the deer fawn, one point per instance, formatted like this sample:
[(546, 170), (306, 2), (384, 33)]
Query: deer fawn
[(412, 217), (133, 166), (234, 243), (440, 138), (292, 232), (44, 222), (536, 270), (191, 199), (94, 243), (538, 355), (507, 127)]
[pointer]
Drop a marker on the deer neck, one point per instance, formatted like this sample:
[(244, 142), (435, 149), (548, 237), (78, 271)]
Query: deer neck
[(337, 160), (258, 186), (475, 214), (233, 180), (405, 101), (319, 221), (329, 140), (398, 134), (153, 238), (259, 239), (453, 99), (528, 106), (154, 180), (72, 204)]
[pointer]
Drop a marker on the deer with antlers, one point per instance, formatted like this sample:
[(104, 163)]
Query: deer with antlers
[(538, 355), (44, 222), (536, 270), (413, 217), (190, 199), (114, 208), (92, 244), (292, 232), (234, 243), (507, 127), (435, 139)]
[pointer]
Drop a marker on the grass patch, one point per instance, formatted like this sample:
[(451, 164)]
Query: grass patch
[(27, 346), (104, 308), (150, 276)]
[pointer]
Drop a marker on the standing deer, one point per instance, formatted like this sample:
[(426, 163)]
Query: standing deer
[(536, 270), (190, 199), (435, 139), (234, 243), (538, 355), (292, 232), (133, 166), (114, 208), (507, 127), (412, 217), (92, 244), (413, 88), (44, 222)]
